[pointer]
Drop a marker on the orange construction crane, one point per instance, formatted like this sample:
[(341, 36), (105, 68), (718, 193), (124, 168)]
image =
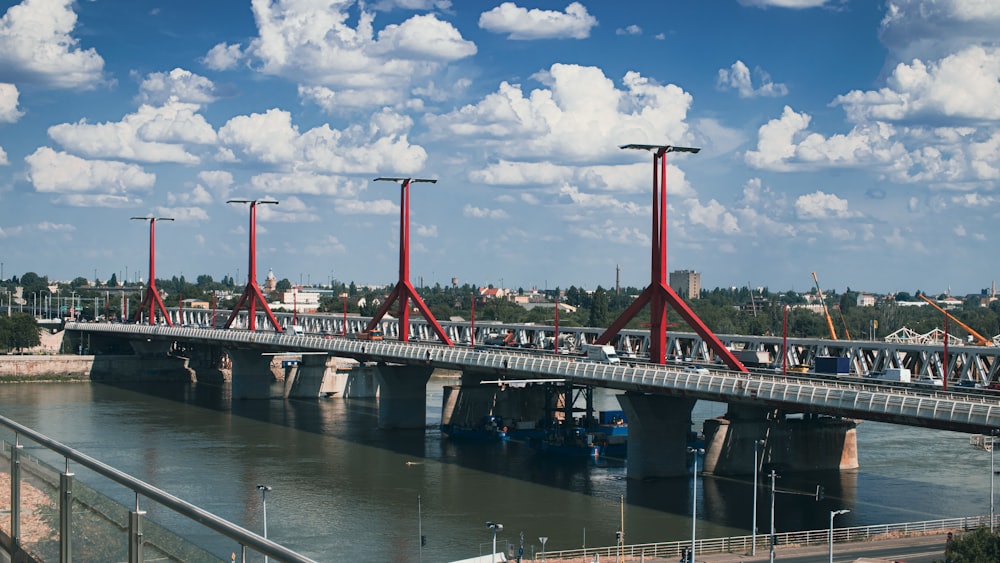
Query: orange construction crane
[(976, 337), (829, 319)]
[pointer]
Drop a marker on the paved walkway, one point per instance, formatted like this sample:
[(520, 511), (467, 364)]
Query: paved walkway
[(821, 553)]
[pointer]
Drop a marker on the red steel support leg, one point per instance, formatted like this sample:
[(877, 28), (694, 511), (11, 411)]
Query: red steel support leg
[(252, 294), (151, 299)]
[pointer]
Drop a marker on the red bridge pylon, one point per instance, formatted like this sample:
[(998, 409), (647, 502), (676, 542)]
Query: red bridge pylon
[(252, 295), (659, 294), (151, 299), (404, 291)]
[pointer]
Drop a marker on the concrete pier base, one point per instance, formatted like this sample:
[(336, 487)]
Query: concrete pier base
[(658, 429), (252, 376), (790, 443), (305, 380), (402, 395), (468, 403)]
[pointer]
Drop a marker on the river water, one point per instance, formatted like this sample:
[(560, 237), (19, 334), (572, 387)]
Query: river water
[(343, 490)]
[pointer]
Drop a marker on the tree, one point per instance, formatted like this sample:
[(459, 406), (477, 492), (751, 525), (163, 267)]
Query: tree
[(975, 547), (32, 282), (19, 331), (113, 280), (599, 308), (79, 282), (283, 285)]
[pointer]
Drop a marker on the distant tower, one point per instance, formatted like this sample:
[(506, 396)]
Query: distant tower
[(618, 279), (271, 282)]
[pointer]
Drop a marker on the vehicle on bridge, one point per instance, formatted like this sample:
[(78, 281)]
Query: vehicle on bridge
[(374, 334), (601, 353)]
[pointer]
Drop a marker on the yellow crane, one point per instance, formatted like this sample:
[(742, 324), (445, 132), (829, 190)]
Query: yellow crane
[(976, 337), (829, 319)]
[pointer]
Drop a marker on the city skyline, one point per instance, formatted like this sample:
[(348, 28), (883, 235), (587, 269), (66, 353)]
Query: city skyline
[(857, 140)]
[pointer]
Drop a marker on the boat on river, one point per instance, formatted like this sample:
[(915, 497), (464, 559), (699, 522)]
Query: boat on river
[(489, 429)]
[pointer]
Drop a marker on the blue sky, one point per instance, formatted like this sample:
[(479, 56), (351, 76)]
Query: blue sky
[(856, 139)]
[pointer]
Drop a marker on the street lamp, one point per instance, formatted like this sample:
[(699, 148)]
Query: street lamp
[(771, 556), (694, 499), (496, 527), (263, 499), (753, 527), (993, 443), (832, 514)]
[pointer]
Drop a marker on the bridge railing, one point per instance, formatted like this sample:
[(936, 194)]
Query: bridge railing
[(54, 493), (804, 538)]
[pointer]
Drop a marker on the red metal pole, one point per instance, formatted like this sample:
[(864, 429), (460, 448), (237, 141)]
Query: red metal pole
[(472, 328), (343, 330), (252, 294), (152, 296), (556, 345), (784, 341)]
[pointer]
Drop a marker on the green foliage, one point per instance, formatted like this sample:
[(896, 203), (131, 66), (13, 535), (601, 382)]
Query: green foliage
[(978, 546), (283, 285), (19, 331), (599, 309)]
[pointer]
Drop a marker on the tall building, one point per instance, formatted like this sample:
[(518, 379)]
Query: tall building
[(686, 283)]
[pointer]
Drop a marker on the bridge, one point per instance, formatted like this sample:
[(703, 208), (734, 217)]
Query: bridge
[(657, 398)]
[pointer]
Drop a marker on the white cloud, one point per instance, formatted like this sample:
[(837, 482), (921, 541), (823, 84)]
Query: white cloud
[(151, 134), (785, 144), (36, 46), (311, 43), (713, 215), (223, 56), (795, 4), (290, 210), (962, 85), (358, 207), (603, 202), (921, 29), (183, 213), (272, 138), (430, 231), (177, 85), (521, 23), (58, 172), (8, 103), (738, 77), (3, 157), (483, 213), (610, 232), (629, 30), (305, 182), (218, 181), (197, 196), (820, 205), (581, 117)]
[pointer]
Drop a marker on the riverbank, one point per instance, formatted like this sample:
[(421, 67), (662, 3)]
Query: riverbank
[(45, 368)]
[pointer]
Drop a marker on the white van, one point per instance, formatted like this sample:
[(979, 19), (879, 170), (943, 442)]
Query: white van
[(600, 353)]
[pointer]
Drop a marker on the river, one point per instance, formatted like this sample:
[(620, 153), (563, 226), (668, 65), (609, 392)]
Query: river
[(343, 490)]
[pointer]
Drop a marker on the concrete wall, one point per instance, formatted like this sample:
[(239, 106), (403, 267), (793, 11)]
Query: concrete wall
[(97, 368)]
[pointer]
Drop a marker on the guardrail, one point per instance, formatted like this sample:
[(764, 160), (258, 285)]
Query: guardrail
[(136, 535), (805, 538), (851, 398)]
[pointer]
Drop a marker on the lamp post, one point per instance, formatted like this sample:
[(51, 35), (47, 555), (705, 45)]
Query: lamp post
[(263, 499), (771, 556), (993, 442), (753, 528), (694, 499), (832, 514), (496, 527)]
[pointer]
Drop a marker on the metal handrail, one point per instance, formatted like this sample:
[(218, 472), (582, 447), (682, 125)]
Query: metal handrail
[(241, 535), (804, 538)]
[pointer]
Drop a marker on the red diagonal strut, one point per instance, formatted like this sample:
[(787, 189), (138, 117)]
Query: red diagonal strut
[(659, 294), (403, 292), (152, 298)]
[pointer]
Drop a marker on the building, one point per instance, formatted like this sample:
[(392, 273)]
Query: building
[(686, 283)]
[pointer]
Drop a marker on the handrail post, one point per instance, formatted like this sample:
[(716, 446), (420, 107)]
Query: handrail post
[(66, 517), (135, 539), (15, 496)]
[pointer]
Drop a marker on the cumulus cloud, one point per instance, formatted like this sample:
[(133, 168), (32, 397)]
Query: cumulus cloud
[(177, 85), (183, 213), (629, 30), (795, 4), (305, 182), (963, 85), (786, 144), (151, 134), (483, 213), (290, 210), (223, 56), (58, 172), (820, 205), (738, 77), (312, 43), (712, 215), (3, 157), (931, 30), (8, 103), (580, 117), (271, 138), (521, 23), (358, 207), (197, 196), (36, 46), (610, 232)]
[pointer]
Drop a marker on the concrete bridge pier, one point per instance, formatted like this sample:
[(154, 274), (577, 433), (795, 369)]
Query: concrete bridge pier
[(307, 379), (402, 395), (658, 430), (790, 442), (468, 403), (252, 375), (151, 348)]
